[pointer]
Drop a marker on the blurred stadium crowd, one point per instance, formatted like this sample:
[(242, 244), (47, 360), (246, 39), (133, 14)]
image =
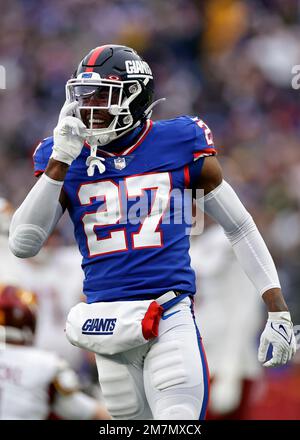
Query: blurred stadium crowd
[(227, 61)]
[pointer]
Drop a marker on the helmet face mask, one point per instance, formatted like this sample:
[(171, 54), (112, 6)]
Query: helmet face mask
[(114, 88), (104, 105)]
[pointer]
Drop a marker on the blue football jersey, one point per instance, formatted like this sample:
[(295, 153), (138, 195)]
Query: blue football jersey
[(132, 222)]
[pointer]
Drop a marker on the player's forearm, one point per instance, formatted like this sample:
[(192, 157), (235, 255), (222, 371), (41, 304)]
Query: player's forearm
[(56, 170), (274, 300), (254, 256), (224, 206), (35, 219)]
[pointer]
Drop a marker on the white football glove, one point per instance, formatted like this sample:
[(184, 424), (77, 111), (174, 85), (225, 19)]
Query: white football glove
[(278, 332), (69, 134)]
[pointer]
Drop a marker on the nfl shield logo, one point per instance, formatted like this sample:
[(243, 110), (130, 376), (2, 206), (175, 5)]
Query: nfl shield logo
[(120, 163)]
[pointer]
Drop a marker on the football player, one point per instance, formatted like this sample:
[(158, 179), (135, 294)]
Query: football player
[(44, 274), (105, 156), (34, 382)]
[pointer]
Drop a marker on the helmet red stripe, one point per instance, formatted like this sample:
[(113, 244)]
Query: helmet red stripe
[(94, 57)]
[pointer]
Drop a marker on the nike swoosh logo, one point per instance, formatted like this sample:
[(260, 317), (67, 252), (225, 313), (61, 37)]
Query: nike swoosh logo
[(281, 326), (170, 314)]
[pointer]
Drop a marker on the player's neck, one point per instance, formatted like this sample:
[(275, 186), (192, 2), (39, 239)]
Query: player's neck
[(124, 142)]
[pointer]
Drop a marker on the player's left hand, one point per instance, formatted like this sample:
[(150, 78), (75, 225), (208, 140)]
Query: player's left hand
[(278, 332)]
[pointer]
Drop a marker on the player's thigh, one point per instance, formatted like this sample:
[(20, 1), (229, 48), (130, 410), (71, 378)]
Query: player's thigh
[(121, 380), (175, 370)]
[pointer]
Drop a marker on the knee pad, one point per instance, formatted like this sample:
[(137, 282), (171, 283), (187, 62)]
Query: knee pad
[(177, 412), (122, 397), (182, 405)]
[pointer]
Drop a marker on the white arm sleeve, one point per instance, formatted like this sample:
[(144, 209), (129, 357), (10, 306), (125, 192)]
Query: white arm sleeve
[(224, 206), (36, 218)]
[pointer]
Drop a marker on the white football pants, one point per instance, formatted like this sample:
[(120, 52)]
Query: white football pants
[(165, 379)]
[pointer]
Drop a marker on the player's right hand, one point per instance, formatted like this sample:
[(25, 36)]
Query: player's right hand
[(69, 134)]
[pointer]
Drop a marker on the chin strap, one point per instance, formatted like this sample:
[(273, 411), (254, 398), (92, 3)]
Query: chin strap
[(147, 115)]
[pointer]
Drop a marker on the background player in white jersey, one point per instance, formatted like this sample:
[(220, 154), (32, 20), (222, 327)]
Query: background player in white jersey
[(35, 382), (232, 353), (105, 153), (47, 275)]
